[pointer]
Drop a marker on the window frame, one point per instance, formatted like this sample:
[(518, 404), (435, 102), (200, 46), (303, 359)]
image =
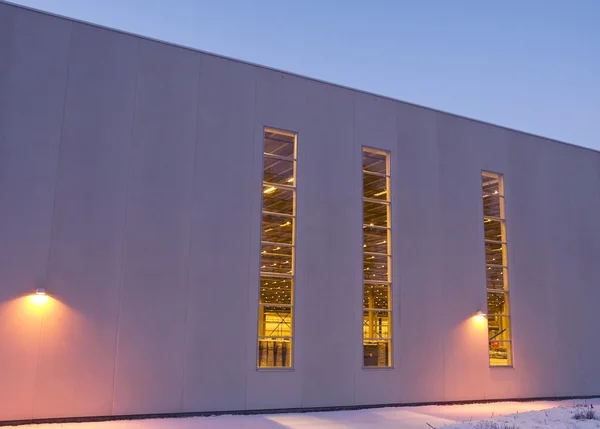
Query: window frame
[(388, 255), (292, 245), (506, 289)]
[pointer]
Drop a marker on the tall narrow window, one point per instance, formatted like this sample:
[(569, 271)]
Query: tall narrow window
[(377, 250), (496, 267), (276, 305)]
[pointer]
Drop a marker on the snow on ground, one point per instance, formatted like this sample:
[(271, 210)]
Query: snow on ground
[(525, 415), (559, 417)]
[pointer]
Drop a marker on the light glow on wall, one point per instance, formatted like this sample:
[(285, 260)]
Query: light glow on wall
[(39, 300), (40, 297), (480, 317)]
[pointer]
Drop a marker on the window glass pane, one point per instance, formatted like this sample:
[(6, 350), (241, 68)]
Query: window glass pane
[(275, 321), (274, 352), (375, 187), (276, 259), (375, 213), (500, 353), (275, 290), (277, 229), (278, 200), (490, 184), (375, 240), (496, 278), (494, 254), (497, 303), (498, 328), (376, 324), (376, 297), (493, 205), (374, 162), (493, 229), (377, 353), (279, 144), (278, 171), (376, 268)]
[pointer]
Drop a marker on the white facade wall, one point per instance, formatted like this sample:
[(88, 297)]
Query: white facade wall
[(130, 187)]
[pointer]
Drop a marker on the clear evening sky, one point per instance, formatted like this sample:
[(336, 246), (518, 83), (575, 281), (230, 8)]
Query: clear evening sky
[(532, 65)]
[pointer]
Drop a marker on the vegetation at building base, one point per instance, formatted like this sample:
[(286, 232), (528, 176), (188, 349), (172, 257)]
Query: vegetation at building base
[(586, 413), (486, 424)]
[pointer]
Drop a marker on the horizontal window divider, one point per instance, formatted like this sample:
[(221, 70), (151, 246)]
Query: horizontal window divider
[(377, 254), (275, 337), (276, 254), (378, 339), (281, 275), (496, 266), (282, 157), (494, 218), (500, 291), (281, 132), (378, 310), (272, 243), (374, 173), (499, 341), (280, 186), (375, 200), (278, 214), (377, 227), (286, 306), (376, 282), (495, 242)]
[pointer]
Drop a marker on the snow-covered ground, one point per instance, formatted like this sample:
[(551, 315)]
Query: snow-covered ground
[(525, 415), (559, 417)]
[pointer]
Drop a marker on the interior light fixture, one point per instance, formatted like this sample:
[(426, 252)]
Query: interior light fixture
[(40, 291)]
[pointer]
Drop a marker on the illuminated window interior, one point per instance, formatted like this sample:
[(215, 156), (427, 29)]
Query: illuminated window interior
[(275, 326), (496, 267), (377, 279)]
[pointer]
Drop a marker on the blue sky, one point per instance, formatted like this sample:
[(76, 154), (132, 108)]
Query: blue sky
[(532, 65)]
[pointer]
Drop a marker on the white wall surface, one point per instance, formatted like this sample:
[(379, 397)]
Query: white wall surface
[(130, 187)]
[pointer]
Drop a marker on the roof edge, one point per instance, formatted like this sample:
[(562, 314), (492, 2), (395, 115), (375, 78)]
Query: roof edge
[(80, 21)]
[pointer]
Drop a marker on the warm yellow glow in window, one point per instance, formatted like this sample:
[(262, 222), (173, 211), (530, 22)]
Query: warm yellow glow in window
[(377, 261), (496, 269), (277, 255)]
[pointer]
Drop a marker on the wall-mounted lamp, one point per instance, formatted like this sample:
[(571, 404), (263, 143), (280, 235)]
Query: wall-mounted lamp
[(480, 315), (40, 297)]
